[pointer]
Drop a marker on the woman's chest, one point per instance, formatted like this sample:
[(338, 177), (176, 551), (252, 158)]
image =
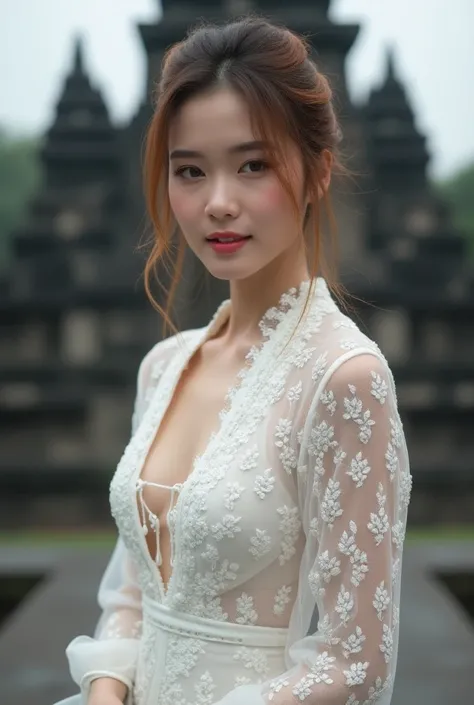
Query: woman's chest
[(238, 499), (241, 511), (182, 435)]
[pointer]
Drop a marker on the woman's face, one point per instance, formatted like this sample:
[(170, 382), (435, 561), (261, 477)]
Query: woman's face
[(220, 182)]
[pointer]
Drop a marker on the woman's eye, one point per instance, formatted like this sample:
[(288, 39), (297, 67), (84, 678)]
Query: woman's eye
[(255, 166), (188, 172)]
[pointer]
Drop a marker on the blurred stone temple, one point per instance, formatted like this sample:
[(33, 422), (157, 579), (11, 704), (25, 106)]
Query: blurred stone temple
[(75, 321)]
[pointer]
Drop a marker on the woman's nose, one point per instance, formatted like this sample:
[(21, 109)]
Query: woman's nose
[(221, 203)]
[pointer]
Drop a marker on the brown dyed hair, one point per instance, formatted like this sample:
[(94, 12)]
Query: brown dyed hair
[(271, 68)]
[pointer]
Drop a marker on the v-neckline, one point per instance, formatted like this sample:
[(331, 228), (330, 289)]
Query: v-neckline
[(272, 317), (217, 322)]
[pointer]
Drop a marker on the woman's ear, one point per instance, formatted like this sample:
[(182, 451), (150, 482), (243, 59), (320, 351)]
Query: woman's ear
[(325, 169), (307, 214)]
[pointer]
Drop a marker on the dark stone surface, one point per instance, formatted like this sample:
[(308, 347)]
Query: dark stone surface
[(33, 666)]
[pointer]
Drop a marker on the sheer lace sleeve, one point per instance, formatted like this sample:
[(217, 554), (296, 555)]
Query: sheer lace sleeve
[(354, 486), (113, 650)]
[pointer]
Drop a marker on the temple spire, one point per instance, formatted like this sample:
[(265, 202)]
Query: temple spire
[(78, 63), (390, 71)]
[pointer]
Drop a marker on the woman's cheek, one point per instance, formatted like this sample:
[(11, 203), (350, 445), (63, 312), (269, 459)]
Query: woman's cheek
[(182, 204), (273, 198)]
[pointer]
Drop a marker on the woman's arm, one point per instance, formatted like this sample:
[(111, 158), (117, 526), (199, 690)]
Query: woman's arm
[(104, 666), (107, 690), (354, 487)]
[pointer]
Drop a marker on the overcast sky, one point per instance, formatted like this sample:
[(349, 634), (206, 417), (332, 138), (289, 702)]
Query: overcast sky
[(433, 40)]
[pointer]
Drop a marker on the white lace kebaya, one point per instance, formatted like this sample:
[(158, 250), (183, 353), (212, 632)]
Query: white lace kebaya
[(298, 506)]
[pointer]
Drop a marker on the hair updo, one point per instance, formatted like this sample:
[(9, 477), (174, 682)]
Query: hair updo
[(271, 68)]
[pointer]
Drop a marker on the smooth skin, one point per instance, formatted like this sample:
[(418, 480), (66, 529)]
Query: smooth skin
[(230, 187)]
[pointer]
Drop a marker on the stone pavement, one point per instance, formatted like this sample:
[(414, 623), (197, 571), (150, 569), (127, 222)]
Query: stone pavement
[(436, 654), (33, 666)]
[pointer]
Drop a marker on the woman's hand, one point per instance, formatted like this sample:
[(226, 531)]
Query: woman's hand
[(107, 691), (104, 700)]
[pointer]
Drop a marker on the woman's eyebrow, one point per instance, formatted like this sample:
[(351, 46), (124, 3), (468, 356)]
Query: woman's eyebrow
[(235, 149)]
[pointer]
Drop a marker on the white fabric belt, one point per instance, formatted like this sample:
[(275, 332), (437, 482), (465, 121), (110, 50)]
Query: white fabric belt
[(211, 629)]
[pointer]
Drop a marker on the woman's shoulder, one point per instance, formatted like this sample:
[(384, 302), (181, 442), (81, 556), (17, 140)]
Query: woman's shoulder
[(155, 361), (340, 346)]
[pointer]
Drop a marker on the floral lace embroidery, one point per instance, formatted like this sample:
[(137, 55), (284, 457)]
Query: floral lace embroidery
[(353, 411), (319, 367), (359, 469), (205, 689), (116, 629), (264, 484), (237, 423), (379, 387), (327, 398), (241, 680), (294, 393), (181, 658), (250, 459), (203, 575), (288, 455), (146, 664), (379, 524), (228, 527), (282, 598), (348, 547), (290, 526), (381, 600), (261, 544), (246, 610), (354, 642), (254, 659), (233, 493)]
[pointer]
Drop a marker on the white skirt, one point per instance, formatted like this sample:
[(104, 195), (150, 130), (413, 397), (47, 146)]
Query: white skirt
[(186, 659)]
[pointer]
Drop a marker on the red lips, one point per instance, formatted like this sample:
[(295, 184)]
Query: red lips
[(227, 235)]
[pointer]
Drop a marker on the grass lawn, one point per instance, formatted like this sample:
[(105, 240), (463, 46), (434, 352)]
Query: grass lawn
[(106, 538), (77, 538), (437, 533)]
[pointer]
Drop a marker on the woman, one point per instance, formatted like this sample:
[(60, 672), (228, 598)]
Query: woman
[(267, 478)]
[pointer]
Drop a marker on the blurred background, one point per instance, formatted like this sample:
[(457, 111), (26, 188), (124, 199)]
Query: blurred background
[(75, 84)]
